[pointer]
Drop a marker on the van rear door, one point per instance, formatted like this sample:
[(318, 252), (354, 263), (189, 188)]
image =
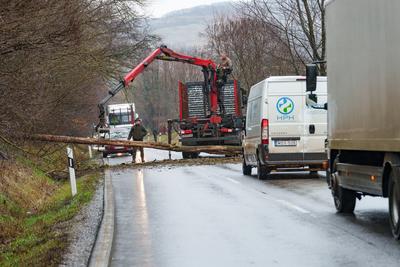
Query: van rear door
[(286, 120)]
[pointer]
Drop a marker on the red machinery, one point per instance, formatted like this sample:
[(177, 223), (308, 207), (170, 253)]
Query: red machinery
[(164, 53), (214, 125)]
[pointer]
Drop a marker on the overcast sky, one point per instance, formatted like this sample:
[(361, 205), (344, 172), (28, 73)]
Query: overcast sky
[(157, 8)]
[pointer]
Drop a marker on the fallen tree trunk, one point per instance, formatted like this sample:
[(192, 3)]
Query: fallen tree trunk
[(217, 149)]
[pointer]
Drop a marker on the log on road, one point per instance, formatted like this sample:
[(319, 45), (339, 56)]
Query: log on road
[(215, 149)]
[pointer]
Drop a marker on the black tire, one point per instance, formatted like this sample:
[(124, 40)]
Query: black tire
[(394, 205), (195, 155), (105, 154), (186, 155), (344, 199), (262, 171), (246, 168)]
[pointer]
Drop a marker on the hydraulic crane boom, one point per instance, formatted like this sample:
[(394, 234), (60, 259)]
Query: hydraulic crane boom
[(163, 53)]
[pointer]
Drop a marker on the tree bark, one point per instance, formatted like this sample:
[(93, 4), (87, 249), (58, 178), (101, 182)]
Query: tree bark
[(215, 149), (3, 156)]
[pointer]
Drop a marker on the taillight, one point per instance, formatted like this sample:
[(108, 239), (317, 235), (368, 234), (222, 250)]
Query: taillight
[(264, 132), (226, 130), (183, 132)]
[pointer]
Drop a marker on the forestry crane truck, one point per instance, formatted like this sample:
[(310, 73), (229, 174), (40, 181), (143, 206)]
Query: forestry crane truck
[(363, 40), (210, 112)]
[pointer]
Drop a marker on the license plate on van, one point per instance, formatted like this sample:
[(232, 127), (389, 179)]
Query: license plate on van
[(285, 142)]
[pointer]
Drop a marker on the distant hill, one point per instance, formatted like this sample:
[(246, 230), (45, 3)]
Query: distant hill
[(182, 28)]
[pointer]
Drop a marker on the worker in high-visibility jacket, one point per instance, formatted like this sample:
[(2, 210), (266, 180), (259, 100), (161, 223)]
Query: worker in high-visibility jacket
[(137, 133)]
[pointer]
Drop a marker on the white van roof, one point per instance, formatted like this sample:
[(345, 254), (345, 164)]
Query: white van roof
[(292, 78), (289, 79)]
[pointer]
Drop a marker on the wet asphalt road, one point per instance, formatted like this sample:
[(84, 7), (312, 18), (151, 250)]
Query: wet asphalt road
[(215, 216)]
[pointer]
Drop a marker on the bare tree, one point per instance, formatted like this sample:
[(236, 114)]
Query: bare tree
[(300, 24), (253, 46), (57, 58)]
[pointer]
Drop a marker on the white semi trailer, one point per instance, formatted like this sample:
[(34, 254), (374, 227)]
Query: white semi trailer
[(363, 93)]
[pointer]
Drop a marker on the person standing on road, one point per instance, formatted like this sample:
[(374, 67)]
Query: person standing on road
[(137, 133)]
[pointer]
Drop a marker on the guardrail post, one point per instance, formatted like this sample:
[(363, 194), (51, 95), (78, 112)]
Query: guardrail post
[(90, 151), (71, 168), (169, 136)]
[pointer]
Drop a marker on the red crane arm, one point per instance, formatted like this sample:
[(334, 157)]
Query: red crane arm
[(163, 53), (142, 65), (169, 55), (208, 63)]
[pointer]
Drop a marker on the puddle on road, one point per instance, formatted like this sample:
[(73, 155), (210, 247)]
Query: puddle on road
[(142, 219)]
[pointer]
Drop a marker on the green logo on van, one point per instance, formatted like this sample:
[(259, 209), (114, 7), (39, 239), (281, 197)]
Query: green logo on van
[(285, 105)]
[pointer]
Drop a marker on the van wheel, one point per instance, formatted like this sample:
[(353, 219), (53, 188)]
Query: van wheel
[(344, 199), (246, 168), (262, 171), (394, 205)]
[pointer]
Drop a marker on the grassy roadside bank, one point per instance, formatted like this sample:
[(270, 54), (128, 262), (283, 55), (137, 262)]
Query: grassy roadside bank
[(35, 211)]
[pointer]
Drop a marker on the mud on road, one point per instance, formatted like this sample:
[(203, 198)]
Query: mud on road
[(176, 162)]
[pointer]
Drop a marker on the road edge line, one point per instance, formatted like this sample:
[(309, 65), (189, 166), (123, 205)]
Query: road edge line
[(101, 254)]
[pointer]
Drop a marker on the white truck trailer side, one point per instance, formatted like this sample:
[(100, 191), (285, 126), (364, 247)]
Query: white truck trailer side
[(363, 93)]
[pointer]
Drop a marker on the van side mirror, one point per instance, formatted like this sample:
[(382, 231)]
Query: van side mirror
[(313, 97), (311, 77)]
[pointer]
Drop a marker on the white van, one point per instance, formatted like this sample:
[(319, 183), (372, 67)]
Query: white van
[(283, 128)]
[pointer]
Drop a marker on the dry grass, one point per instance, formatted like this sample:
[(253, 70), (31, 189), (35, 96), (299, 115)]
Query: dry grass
[(34, 210), (22, 191), (52, 157), (27, 188)]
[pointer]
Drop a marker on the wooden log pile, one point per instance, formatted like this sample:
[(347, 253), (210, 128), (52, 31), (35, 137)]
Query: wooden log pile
[(215, 149)]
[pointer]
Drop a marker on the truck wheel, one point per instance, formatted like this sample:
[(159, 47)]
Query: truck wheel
[(194, 155), (246, 168), (394, 205), (186, 155), (344, 199), (262, 171)]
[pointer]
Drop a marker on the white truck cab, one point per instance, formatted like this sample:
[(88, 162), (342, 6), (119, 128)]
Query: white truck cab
[(121, 115), (283, 129)]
